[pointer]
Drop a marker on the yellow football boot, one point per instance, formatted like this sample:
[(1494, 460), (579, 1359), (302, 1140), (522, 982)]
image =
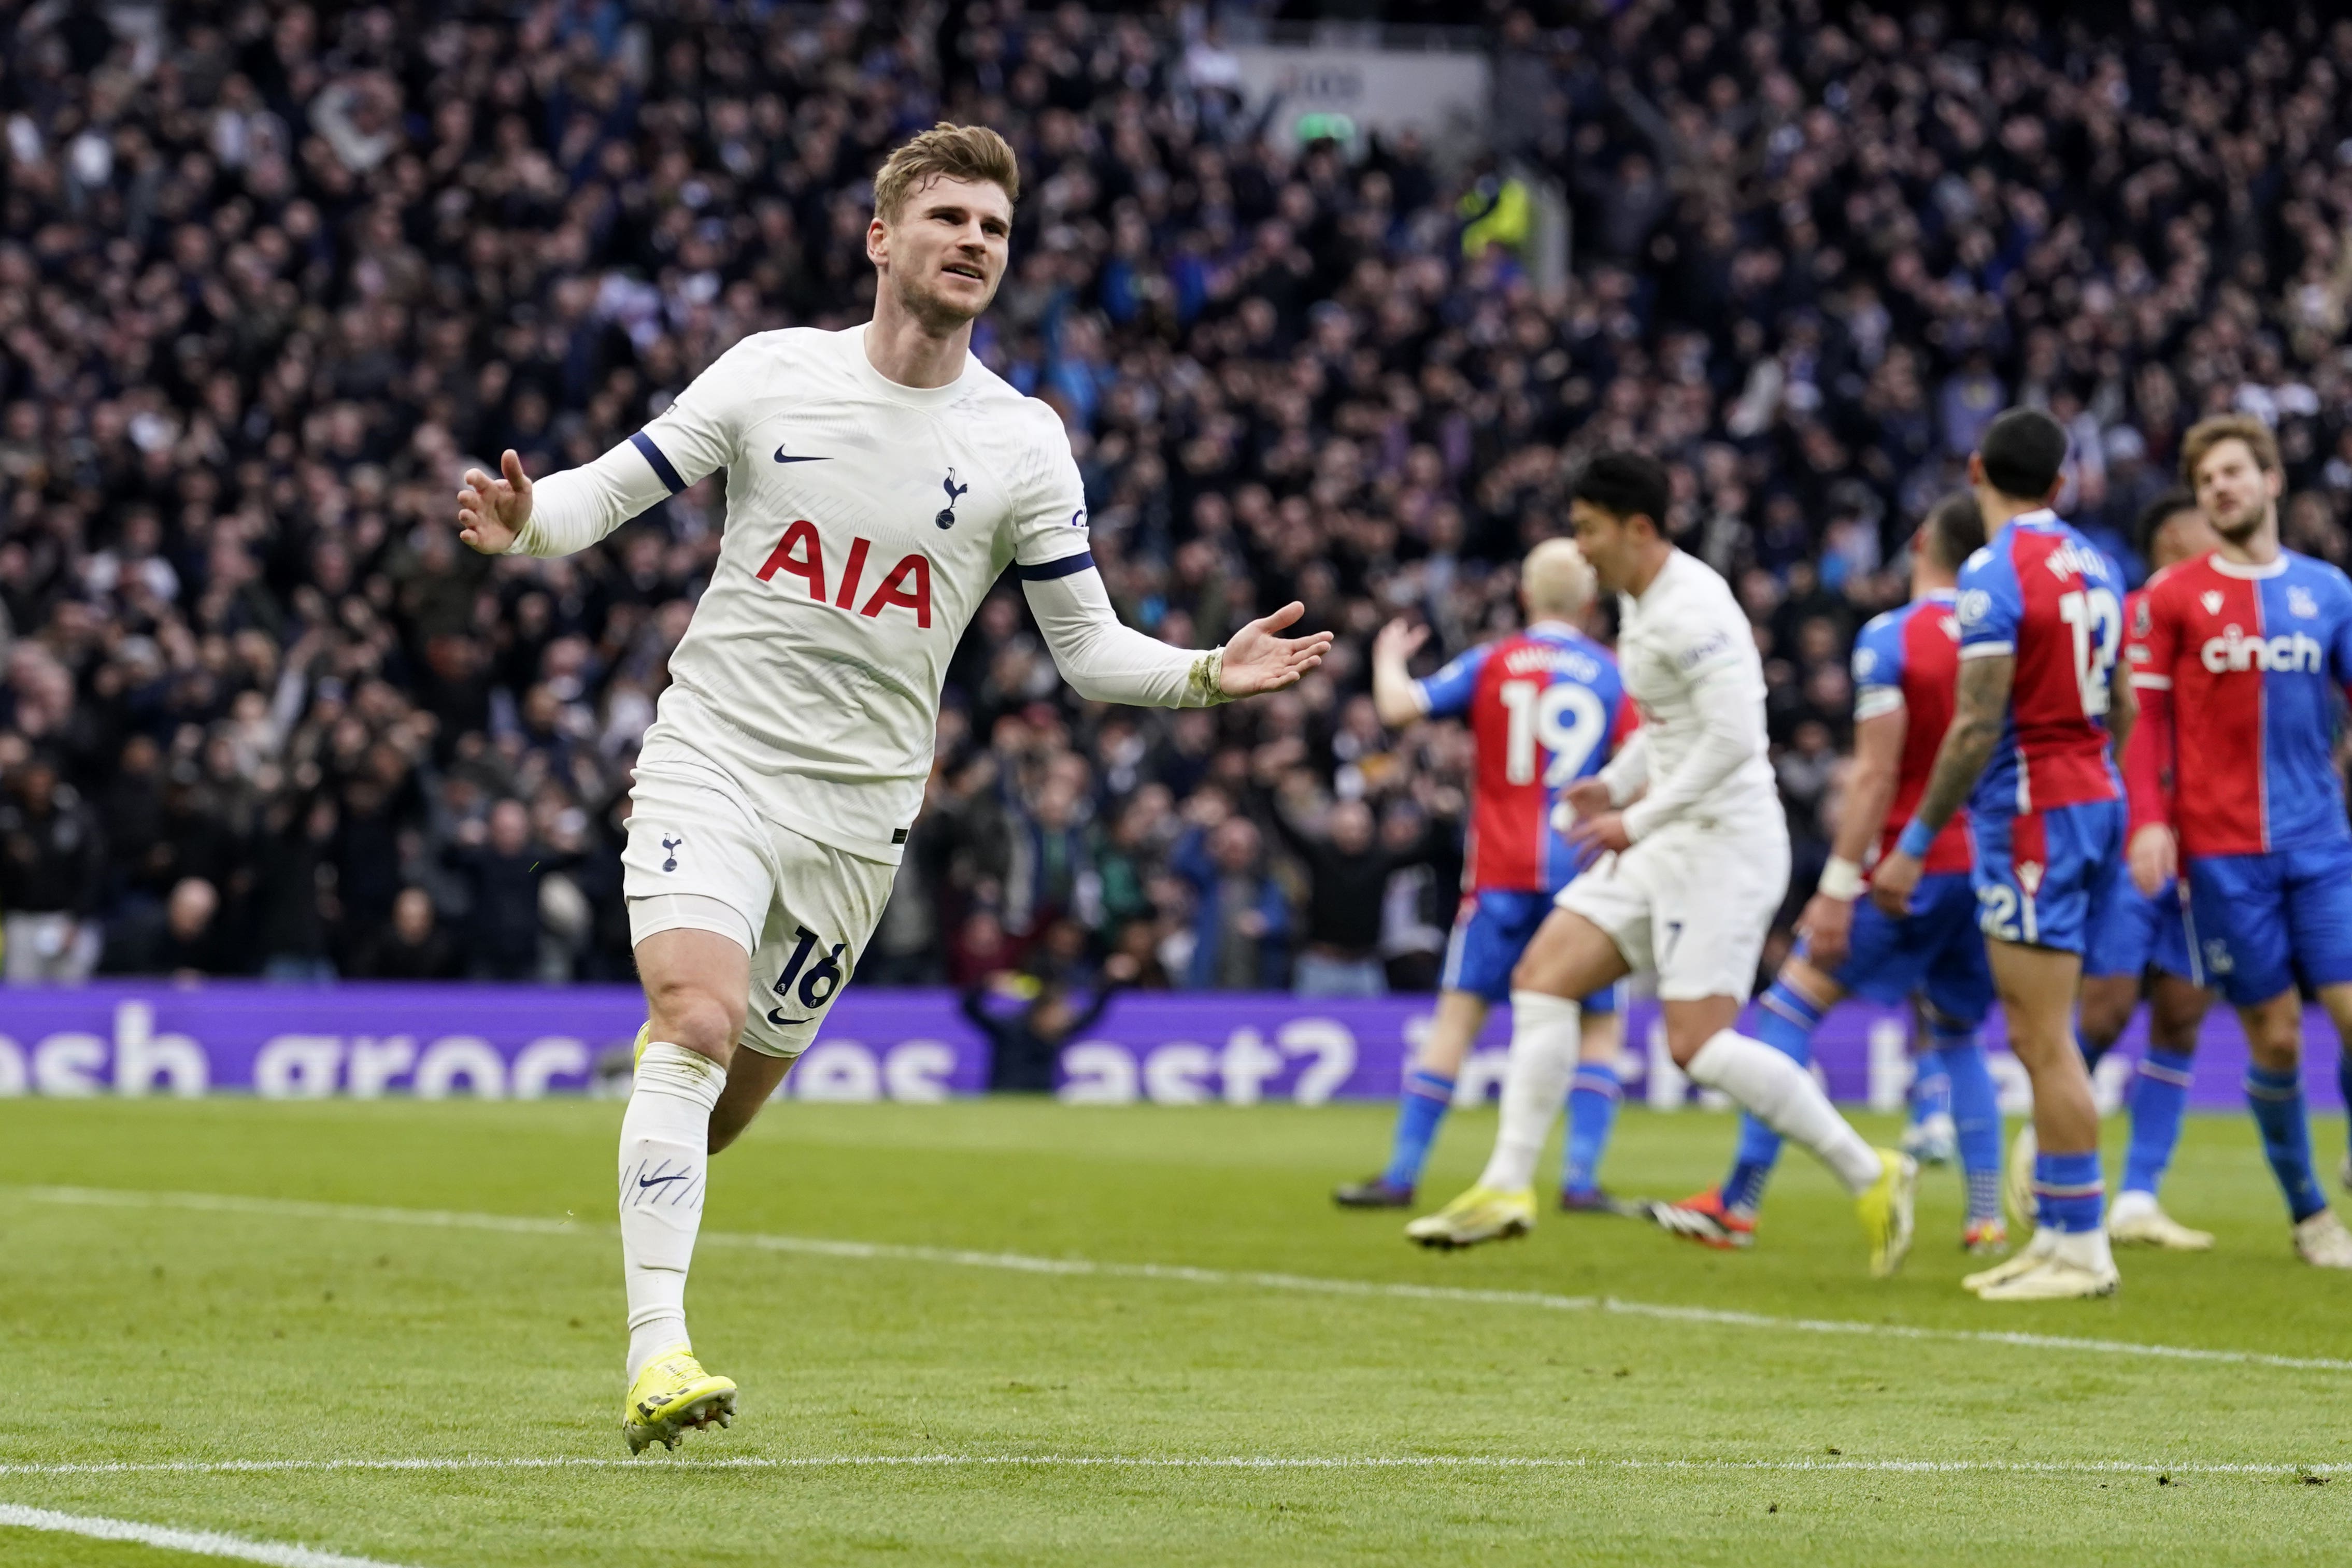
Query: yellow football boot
[(1885, 1211), (1482, 1214), (671, 1395)]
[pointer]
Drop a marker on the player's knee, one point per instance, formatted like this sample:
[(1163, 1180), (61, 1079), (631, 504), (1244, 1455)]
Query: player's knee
[(2274, 1033), (698, 1018), (2175, 1030), (2103, 1013)]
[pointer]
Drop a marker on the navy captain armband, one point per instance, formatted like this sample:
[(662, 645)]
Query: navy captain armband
[(1046, 571)]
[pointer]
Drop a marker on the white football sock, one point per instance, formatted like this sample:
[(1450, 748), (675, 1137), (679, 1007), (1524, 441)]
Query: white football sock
[(665, 1159), (1784, 1097), (2084, 1249), (1547, 1033)]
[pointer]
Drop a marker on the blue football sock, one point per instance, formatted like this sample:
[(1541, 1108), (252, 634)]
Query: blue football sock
[(1591, 1111), (2092, 1052), (2069, 1190), (1420, 1112), (1931, 1084), (1785, 1021), (2277, 1101), (2159, 1095), (1976, 1120)]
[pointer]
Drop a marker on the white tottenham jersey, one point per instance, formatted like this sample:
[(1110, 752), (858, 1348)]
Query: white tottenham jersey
[(866, 522), (1689, 660)]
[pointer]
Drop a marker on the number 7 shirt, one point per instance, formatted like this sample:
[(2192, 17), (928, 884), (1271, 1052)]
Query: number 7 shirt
[(2040, 591), (2238, 664), (1546, 707)]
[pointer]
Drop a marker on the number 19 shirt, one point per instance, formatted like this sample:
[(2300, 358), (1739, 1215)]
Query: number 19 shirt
[(1546, 707)]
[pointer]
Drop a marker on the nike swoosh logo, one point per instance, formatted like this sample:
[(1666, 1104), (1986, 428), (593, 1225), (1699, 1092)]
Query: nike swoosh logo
[(782, 459), (657, 1181), (776, 1016)]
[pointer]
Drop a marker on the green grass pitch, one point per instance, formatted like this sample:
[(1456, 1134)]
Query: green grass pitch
[(188, 1333)]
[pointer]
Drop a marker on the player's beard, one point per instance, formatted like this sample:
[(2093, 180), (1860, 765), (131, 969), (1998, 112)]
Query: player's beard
[(2239, 532), (937, 314)]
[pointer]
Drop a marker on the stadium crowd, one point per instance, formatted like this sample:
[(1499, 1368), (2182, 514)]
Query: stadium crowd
[(271, 275)]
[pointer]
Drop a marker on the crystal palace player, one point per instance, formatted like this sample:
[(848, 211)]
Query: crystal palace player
[(2244, 650), (1906, 669), (2144, 940), (774, 791), (1546, 709), (2041, 625)]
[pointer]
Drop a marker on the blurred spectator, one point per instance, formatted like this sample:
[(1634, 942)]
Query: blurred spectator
[(1240, 937), (182, 938), (1348, 872), (412, 947), (1025, 1045), (50, 869), (501, 869), (294, 889)]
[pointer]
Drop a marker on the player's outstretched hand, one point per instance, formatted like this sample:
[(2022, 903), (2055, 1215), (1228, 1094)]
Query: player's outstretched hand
[(1893, 882), (2154, 859), (1257, 660), (491, 512)]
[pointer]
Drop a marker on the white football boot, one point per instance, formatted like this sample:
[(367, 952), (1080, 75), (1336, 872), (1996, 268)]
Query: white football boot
[(2323, 1242), (2134, 1220)]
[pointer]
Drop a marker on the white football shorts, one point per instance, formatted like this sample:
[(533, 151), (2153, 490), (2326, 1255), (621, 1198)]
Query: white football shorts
[(1693, 903), (700, 857)]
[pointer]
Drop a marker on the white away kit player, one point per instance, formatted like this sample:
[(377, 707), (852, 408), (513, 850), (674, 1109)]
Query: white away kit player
[(878, 483), (1692, 860)]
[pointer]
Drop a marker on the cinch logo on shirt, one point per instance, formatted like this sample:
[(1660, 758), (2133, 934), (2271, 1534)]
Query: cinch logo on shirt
[(801, 553), (2235, 651)]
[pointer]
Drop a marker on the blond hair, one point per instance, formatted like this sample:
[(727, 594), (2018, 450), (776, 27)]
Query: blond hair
[(957, 152), (2208, 434), (1557, 580)]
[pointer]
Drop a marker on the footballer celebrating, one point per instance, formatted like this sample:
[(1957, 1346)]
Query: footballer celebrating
[(878, 481), (2237, 656)]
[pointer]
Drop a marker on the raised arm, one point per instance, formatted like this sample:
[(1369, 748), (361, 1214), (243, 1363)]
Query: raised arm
[(1104, 660), (509, 515), (1107, 661), (1396, 698)]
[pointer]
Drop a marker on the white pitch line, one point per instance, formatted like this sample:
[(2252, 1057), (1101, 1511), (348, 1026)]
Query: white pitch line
[(1022, 1263), (201, 1543), (1176, 1462)]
